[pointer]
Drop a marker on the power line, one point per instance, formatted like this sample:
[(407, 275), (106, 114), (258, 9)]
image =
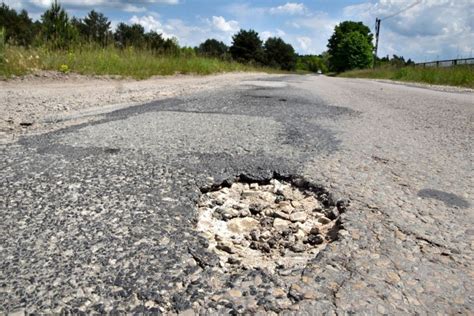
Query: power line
[(401, 11), (378, 21)]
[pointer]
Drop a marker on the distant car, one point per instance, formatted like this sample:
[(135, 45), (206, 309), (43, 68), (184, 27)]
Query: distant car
[(320, 72)]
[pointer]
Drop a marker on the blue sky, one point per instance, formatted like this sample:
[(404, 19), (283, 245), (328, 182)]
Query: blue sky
[(433, 29)]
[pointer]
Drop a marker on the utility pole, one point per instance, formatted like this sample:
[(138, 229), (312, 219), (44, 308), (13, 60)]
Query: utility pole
[(377, 25), (377, 32)]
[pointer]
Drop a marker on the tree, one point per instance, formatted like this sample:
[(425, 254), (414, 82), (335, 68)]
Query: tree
[(247, 47), (355, 52), (96, 27), (213, 48), (19, 28), (130, 35), (155, 41), (56, 28), (279, 54), (337, 55)]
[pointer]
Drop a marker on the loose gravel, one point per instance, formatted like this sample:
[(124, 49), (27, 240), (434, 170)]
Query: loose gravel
[(268, 225)]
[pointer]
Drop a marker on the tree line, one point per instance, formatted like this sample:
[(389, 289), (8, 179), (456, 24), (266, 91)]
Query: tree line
[(349, 47)]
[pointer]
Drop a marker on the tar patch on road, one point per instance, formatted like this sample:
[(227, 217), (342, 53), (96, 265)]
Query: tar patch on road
[(449, 199)]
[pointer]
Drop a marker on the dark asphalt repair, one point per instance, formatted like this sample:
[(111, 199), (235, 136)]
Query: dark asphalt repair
[(109, 228)]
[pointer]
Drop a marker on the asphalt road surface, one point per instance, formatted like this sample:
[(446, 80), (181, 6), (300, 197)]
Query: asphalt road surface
[(101, 217)]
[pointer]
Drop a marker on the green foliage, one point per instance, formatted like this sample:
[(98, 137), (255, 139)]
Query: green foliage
[(57, 29), (213, 48), (2, 45), (395, 61), (339, 59), (311, 63), (94, 28), (279, 54), (247, 47), (355, 52), (129, 62), (130, 35), (20, 29), (462, 76)]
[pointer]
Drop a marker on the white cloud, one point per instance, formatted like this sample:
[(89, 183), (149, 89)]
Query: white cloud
[(125, 5), (304, 43), (430, 30), (222, 25), (289, 8), (150, 23)]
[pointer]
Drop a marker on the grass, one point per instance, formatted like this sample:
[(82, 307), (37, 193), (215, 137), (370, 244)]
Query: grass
[(461, 76), (138, 64)]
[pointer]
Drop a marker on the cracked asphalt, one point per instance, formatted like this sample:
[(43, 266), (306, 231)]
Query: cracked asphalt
[(100, 217)]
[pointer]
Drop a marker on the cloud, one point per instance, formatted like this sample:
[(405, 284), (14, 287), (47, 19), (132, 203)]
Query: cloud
[(304, 43), (267, 34), (289, 8), (150, 23), (222, 25), (430, 30), (124, 5)]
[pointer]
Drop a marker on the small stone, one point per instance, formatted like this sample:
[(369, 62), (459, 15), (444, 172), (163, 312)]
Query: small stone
[(311, 204), (279, 198), (235, 293), (332, 214), (233, 260), (266, 234), (227, 247), (242, 225), (296, 292), (298, 217), (324, 220), (298, 247), (255, 235), (315, 240), (281, 224), (249, 193), (230, 213), (281, 214), (296, 204), (254, 186), (278, 293), (314, 230)]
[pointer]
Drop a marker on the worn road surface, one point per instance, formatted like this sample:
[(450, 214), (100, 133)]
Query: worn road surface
[(100, 217)]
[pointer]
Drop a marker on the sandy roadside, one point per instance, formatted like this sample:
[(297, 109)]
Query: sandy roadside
[(39, 103)]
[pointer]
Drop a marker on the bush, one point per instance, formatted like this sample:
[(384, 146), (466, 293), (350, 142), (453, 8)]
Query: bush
[(213, 48)]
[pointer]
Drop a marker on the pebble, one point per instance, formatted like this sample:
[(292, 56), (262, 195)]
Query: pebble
[(298, 217)]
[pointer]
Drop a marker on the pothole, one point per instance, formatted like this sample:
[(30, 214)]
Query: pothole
[(277, 224)]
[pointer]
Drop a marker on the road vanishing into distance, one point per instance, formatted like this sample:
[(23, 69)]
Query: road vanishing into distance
[(102, 216)]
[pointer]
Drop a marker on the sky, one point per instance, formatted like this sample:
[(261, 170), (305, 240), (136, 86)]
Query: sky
[(430, 30)]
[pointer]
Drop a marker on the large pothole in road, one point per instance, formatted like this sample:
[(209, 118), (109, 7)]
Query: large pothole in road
[(277, 224)]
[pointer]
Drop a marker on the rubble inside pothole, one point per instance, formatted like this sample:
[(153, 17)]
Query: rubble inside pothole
[(273, 225)]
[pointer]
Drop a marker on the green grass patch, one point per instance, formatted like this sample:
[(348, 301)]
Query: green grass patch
[(138, 64), (461, 76)]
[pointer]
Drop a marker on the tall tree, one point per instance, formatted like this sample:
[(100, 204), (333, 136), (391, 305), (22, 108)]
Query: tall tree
[(19, 28), (247, 47), (130, 35), (279, 54), (96, 27), (57, 28), (337, 55), (213, 48)]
